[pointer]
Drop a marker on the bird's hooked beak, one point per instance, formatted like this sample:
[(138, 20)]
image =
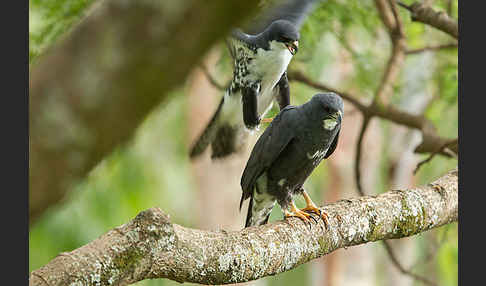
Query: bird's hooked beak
[(337, 115), (293, 47)]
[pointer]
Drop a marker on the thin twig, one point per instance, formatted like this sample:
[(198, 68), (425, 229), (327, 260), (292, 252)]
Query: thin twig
[(386, 17), (392, 71), (395, 261), (400, 3), (357, 160), (395, 31), (432, 155), (301, 77), (398, 22), (432, 48), (449, 8), (432, 253), (210, 77)]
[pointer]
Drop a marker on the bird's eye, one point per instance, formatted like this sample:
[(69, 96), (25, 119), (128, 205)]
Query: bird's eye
[(327, 109)]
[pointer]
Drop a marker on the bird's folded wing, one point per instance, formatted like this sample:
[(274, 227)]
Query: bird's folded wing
[(235, 40), (333, 146), (268, 147), (282, 91), (294, 11)]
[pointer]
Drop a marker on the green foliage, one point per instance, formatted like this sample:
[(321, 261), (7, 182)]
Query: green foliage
[(447, 78), (342, 23), (448, 256), (48, 19)]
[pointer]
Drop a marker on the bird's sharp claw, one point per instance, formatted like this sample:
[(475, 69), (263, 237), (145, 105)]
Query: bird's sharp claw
[(324, 216), (313, 218), (300, 214), (312, 209)]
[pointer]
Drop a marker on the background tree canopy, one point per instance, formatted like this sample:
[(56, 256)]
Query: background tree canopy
[(346, 46)]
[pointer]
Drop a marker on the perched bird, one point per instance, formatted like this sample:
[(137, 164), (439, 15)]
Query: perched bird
[(287, 152), (259, 77)]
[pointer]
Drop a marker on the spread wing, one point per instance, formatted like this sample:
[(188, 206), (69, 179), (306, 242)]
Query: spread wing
[(236, 41), (266, 150), (294, 11)]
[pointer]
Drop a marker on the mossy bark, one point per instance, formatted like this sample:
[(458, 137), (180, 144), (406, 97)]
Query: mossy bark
[(150, 246)]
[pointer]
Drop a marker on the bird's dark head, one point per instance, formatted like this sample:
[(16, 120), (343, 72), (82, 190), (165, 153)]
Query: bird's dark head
[(284, 32), (329, 106)]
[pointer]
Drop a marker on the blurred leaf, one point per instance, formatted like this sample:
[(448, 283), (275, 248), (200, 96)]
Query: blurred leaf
[(48, 19)]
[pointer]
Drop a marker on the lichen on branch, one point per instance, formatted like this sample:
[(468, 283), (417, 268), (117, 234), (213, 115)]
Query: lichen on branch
[(151, 246)]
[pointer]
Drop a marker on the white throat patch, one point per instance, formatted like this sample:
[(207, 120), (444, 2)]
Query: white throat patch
[(329, 124)]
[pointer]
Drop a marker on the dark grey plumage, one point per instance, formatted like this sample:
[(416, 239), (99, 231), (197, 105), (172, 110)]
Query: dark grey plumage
[(297, 140), (294, 11), (259, 77)]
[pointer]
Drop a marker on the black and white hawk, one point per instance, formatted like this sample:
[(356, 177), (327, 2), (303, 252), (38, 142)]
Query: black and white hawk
[(261, 57), (287, 152)]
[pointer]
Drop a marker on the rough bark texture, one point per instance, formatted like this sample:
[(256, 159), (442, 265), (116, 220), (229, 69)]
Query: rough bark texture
[(150, 246), (90, 91)]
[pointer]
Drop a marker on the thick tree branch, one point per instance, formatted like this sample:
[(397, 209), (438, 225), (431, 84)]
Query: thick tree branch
[(299, 76), (150, 246), (89, 92), (427, 15)]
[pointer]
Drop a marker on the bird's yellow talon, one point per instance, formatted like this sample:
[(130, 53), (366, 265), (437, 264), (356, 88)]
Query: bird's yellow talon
[(295, 212), (311, 207)]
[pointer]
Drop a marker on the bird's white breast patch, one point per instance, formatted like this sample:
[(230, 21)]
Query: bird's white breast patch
[(269, 65)]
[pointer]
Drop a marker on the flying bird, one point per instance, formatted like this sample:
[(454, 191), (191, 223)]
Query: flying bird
[(261, 56), (284, 156)]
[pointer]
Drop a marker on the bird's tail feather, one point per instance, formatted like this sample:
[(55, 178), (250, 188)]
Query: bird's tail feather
[(259, 210), (248, 214), (207, 135)]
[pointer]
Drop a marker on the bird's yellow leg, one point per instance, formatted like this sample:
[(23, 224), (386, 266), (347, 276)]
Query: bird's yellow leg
[(294, 211), (267, 120), (311, 207)]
